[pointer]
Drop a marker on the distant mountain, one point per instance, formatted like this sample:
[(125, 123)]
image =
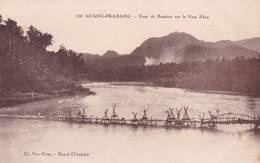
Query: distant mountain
[(200, 53), (252, 44), (179, 47), (175, 47), (111, 60), (107, 54), (110, 54), (86, 56), (157, 46)]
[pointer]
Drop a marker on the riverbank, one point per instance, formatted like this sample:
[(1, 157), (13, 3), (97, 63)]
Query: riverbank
[(167, 84), (206, 89), (15, 97)]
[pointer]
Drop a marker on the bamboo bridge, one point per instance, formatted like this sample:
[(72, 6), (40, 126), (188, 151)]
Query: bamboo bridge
[(172, 120)]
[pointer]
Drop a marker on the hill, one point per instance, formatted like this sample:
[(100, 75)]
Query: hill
[(180, 47)]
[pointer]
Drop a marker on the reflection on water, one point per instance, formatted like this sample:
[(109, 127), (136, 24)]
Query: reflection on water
[(117, 144), (252, 102)]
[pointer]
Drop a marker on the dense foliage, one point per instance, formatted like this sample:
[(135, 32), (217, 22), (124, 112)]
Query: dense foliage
[(26, 65), (238, 75)]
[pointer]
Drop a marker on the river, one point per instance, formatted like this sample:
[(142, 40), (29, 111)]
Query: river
[(20, 139)]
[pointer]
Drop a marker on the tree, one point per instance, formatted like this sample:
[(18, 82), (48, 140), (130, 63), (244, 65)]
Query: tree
[(13, 29), (46, 40), (39, 39)]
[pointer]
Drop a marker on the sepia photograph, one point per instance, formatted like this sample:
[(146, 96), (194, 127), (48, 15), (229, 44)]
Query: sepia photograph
[(124, 81)]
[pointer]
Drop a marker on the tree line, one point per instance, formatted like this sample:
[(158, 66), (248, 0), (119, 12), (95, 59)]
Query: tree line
[(26, 65), (237, 75)]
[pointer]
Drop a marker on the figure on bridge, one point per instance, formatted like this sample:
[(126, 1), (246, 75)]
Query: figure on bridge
[(212, 116), (217, 111), (144, 119), (134, 120), (202, 124), (170, 117), (114, 115), (178, 113), (145, 116), (105, 118), (84, 115), (105, 114), (185, 115)]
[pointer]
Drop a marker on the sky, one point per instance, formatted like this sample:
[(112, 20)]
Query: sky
[(228, 20)]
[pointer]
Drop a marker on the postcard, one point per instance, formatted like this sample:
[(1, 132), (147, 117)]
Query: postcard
[(123, 81)]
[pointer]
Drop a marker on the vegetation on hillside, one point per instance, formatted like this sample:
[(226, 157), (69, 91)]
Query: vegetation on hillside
[(238, 75), (26, 65)]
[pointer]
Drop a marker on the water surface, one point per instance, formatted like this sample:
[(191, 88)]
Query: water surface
[(125, 143)]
